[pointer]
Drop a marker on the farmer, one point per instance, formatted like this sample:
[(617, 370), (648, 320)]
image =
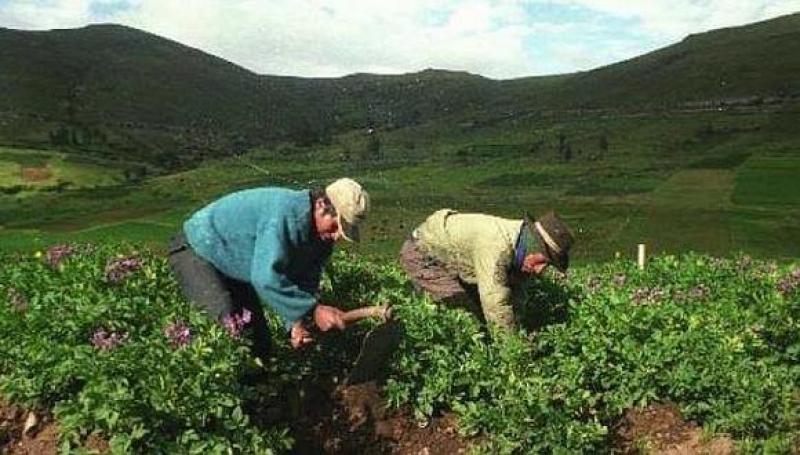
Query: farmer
[(481, 262), (267, 246)]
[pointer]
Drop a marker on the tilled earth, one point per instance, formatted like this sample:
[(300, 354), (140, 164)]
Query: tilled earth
[(661, 429), (341, 420), (355, 419), (41, 436)]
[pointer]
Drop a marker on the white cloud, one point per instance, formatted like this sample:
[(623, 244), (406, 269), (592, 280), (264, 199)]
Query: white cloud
[(678, 18), (495, 38), (319, 38), (44, 15)]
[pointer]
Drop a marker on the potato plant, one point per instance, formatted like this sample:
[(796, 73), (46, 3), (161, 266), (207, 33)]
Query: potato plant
[(102, 336), (720, 337), (105, 340)]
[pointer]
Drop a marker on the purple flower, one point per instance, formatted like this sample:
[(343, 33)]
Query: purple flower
[(106, 341), (18, 301), (246, 316), (593, 284), (700, 292), (56, 254), (643, 296), (718, 263), (179, 334), (119, 269), (234, 323), (789, 283), (744, 263)]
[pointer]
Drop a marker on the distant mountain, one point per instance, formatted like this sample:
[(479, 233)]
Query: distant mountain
[(118, 91), (756, 60)]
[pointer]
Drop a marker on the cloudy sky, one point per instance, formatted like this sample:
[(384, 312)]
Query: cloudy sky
[(498, 39)]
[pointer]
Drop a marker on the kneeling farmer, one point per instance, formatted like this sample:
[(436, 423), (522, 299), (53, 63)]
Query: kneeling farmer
[(267, 246), (450, 253)]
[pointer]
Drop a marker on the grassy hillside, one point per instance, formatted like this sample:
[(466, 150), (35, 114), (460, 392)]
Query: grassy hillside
[(740, 64), (24, 171), (120, 92), (705, 181)]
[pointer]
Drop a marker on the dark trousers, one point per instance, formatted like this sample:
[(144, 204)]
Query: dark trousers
[(218, 295), (431, 276)]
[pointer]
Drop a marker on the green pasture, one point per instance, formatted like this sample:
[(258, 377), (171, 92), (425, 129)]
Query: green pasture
[(769, 181), (25, 170)]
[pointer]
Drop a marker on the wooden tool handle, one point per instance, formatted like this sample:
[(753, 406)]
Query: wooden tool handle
[(377, 312)]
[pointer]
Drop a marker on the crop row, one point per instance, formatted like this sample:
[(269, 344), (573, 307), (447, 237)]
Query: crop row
[(101, 336)]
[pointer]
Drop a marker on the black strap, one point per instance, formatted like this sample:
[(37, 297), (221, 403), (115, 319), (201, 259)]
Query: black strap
[(178, 244)]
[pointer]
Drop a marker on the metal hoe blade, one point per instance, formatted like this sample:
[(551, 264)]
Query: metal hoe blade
[(377, 348)]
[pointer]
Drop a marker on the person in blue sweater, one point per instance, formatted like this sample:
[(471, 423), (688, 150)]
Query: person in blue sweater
[(267, 246)]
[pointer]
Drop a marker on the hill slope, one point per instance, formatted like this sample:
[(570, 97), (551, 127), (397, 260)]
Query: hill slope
[(118, 90), (754, 60)]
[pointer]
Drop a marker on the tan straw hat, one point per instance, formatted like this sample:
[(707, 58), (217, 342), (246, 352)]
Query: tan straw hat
[(351, 203)]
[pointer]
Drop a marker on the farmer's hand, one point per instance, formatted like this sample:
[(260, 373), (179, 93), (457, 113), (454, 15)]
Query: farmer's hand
[(328, 317), (300, 337)]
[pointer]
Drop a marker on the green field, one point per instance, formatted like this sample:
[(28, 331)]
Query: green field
[(25, 171), (769, 181), (712, 182)]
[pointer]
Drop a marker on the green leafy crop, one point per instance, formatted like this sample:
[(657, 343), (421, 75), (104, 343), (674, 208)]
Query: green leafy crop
[(97, 343), (102, 336)]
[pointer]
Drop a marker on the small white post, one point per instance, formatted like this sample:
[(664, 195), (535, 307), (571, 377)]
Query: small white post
[(640, 256)]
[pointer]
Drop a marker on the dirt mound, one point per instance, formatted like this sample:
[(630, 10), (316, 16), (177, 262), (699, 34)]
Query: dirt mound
[(355, 419), (26, 433), (661, 429)]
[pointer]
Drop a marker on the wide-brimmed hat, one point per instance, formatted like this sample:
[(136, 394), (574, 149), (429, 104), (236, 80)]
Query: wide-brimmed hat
[(555, 238), (351, 203)]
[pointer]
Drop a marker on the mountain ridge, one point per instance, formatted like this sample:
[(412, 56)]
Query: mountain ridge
[(114, 84)]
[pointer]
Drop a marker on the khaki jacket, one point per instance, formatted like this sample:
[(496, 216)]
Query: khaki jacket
[(480, 249)]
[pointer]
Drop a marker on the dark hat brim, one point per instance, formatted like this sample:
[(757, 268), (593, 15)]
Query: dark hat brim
[(559, 261)]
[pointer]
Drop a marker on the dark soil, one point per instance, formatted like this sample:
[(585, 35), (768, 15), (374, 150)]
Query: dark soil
[(661, 429), (41, 438), (355, 419), (333, 420)]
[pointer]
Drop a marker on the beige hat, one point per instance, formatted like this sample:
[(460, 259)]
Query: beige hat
[(351, 203)]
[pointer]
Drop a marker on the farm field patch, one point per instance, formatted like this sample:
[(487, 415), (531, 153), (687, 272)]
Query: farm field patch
[(769, 181)]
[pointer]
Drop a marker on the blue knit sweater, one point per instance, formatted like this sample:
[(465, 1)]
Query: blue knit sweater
[(264, 236)]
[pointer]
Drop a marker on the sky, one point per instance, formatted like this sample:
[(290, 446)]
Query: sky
[(332, 38)]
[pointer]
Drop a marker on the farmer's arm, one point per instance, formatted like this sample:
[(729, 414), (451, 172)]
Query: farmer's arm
[(269, 275), (495, 294)]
